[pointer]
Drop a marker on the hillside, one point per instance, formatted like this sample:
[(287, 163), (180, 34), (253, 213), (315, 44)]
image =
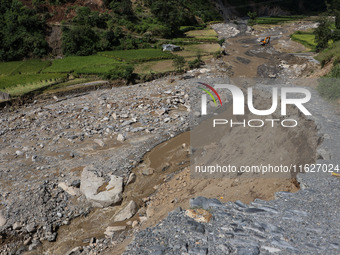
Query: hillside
[(28, 28), (90, 26)]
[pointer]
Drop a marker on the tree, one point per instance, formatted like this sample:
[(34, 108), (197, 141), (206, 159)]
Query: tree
[(123, 7), (87, 17), (22, 32), (323, 33), (252, 15), (79, 40), (337, 19), (179, 63)]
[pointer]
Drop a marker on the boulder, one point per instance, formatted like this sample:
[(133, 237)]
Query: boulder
[(129, 210), (110, 231), (120, 138), (99, 193)]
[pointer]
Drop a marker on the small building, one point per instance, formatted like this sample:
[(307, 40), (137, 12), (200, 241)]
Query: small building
[(170, 47)]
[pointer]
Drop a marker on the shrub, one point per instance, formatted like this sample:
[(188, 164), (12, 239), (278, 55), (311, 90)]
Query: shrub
[(196, 63), (86, 17), (322, 33), (221, 41), (124, 72), (179, 63), (79, 40), (252, 15)]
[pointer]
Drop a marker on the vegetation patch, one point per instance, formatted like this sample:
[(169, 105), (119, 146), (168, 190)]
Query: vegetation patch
[(140, 55), (62, 85), (20, 84), (275, 20), (206, 33), (332, 52), (153, 67), (94, 64), (6, 68), (192, 40), (202, 49), (306, 38)]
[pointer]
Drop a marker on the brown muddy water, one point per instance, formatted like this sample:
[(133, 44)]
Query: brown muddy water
[(162, 161)]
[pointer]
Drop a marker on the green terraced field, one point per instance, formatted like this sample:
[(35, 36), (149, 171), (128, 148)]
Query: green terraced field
[(305, 38), (140, 55), (23, 79), (23, 67), (84, 64)]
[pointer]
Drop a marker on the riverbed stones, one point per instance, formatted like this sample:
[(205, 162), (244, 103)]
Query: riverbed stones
[(97, 191), (70, 190), (3, 220), (323, 154), (99, 142), (147, 171), (129, 210), (31, 227), (199, 215), (110, 231), (131, 179), (120, 138), (19, 153), (4, 96), (17, 226)]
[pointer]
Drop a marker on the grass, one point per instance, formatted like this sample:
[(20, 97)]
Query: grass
[(17, 85), (306, 38), (82, 64), (62, 85), (192, 40), (140, 55), (206, 33), (332, 52), (161, 66), (203, 49), (22, 67), (276, 20), (6, 68), (188, 28)]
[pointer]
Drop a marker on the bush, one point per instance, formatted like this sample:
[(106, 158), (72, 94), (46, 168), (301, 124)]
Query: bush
[(323, 33), (124, 72), (79, 41), (221, 41), (86, 17), (332, 52), (179, 63), (196, 63), (217, 54), (252, 15), (337, 19)]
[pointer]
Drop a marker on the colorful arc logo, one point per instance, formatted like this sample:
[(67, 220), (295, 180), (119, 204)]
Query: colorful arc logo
[(209, 93)]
